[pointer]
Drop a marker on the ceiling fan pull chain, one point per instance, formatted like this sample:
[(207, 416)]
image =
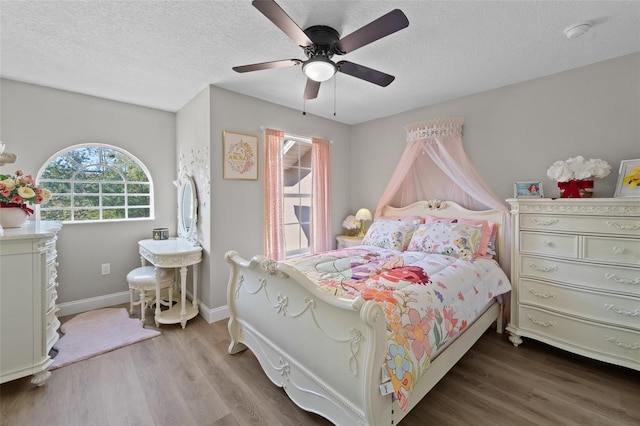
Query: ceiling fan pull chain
[(335, 78)]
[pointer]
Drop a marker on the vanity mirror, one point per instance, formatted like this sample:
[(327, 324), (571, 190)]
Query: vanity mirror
[(187, 210)]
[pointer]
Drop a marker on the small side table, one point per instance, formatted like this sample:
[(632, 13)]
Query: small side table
[(345, 241), (174, 253)]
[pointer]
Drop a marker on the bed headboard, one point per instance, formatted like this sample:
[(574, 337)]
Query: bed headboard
[(450, 209)]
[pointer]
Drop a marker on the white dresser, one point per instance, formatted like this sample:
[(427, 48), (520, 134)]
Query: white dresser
[(575, 271), (28, 292)]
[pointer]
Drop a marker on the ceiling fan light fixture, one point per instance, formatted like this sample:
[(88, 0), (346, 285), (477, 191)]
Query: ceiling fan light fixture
[(319, 68)]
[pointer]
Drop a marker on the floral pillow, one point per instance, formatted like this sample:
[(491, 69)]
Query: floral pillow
[(459, 240), (390, 234), (489, 232)]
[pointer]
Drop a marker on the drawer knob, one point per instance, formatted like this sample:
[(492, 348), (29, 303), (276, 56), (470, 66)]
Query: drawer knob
[(613, 308), (623, 226), (622, 280), (542, 323), (541, 295), (543, 222), (633, 346), (548, 243), (543, 268)]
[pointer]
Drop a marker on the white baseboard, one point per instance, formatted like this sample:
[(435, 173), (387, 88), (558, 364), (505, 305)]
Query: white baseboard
[(215, 314), (84, 305), (78, 306)]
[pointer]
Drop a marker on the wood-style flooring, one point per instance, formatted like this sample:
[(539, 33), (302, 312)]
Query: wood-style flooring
[(186, 377)]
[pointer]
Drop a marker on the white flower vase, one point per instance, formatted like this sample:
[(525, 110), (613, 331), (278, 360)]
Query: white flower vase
[(12, 217)]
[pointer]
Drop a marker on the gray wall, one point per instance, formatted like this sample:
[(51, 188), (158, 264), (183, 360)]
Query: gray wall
[(236, 206), (36, 122), (517, 132), (511, 133)]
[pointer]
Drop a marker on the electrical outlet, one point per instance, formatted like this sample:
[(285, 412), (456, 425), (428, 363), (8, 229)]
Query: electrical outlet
[(106, 268)]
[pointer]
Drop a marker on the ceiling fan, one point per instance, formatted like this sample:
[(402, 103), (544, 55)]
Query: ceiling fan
[(320, 43)]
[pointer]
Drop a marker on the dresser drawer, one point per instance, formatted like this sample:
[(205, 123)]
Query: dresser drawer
[(612, 250), (549, 244), (53, 323), (52, 296), (574, 334), (52, 271), (611, 308), (581, 224), (613, 279)]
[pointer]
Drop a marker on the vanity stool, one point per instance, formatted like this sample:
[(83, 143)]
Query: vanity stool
[(143, 280)]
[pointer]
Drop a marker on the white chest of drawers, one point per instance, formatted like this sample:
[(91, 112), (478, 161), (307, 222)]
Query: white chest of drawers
[(575, 271), (28, 293)]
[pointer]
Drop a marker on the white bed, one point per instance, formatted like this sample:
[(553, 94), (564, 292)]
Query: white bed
[(293, 327)]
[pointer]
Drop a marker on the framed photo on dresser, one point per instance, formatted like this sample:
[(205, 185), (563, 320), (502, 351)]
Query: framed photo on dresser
[(527, 189), (628, 179)]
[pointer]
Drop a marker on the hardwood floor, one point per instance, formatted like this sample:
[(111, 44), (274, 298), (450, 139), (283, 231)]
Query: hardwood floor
[(186, 377)]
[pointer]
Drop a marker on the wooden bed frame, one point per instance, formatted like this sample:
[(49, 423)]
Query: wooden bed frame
[(328, 352)]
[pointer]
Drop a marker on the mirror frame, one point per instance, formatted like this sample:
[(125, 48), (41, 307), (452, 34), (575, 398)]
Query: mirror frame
[(187, 188)]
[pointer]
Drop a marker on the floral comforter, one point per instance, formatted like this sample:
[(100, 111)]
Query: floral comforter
[(427, 299)]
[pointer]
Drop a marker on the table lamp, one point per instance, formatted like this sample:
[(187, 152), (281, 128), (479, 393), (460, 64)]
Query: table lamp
[(363, 215)]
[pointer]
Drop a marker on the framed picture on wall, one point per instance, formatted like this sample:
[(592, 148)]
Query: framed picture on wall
[(240, 156), (628, 179), (527, 189)]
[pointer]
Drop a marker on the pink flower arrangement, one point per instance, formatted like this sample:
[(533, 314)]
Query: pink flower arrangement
[(19, 190)]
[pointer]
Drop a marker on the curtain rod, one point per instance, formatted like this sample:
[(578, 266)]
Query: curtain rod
[(295, 136)]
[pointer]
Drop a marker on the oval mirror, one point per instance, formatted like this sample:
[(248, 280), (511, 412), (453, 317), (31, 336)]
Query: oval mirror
[(187, 210)]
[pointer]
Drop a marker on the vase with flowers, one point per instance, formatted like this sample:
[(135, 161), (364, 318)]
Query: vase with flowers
[(351, 226), (17, 192), (575, 175)]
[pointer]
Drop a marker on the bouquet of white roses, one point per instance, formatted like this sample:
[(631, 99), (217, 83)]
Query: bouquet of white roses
[(577, 168)]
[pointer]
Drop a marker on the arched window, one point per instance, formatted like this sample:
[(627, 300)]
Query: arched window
[(95, 183)]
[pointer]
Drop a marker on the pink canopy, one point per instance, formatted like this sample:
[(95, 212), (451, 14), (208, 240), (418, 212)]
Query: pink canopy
[(435, 166)]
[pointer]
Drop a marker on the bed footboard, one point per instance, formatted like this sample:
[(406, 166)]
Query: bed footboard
[(326, 352)]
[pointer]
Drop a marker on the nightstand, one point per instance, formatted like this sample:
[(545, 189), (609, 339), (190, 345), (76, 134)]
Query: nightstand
[(345, 241)]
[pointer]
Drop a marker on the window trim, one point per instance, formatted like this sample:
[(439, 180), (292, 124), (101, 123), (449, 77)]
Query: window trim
[(286, 145), (101, 208)]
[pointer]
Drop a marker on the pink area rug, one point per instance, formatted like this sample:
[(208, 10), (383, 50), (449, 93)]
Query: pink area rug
[(96, 332)]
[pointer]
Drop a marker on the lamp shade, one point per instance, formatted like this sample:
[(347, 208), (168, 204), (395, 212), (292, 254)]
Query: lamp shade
[(319, 68), (363, 214)]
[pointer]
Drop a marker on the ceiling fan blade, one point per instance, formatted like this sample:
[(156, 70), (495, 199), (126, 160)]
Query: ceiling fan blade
[(365, 73), (267, 65), (311, 89), (375, 30), (279, 17)]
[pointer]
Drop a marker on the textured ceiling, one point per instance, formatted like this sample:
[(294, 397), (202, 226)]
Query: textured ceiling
[(161, 54)]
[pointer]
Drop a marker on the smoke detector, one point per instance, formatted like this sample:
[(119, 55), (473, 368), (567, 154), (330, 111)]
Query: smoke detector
[(576, 30)]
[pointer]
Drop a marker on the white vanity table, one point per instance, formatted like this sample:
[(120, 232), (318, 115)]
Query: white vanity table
[(180, 252), (174, 253)]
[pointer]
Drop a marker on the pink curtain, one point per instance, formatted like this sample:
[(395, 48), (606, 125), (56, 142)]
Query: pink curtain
[(321, 199), (434, 165), (274, 246)]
